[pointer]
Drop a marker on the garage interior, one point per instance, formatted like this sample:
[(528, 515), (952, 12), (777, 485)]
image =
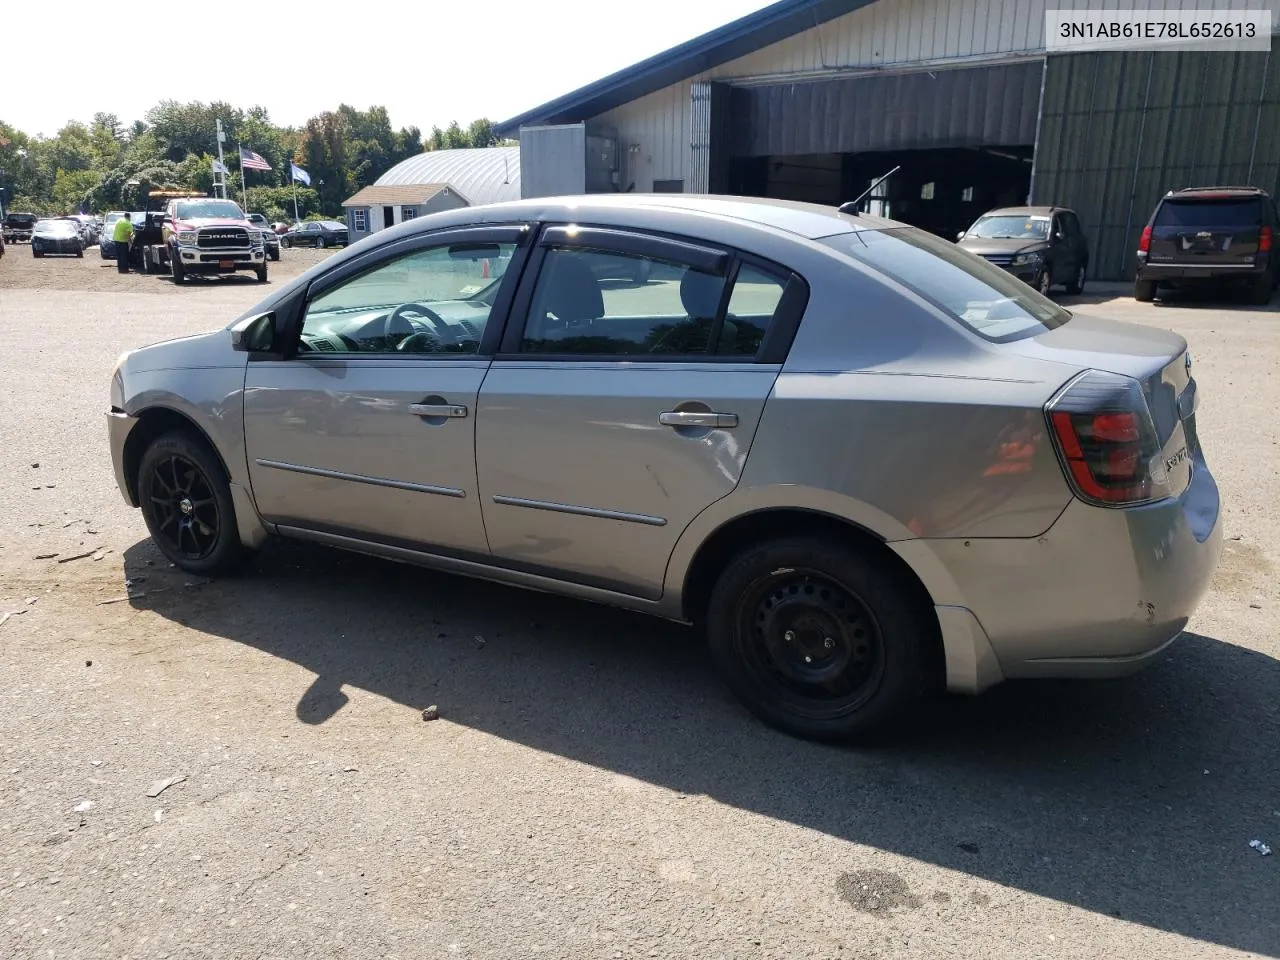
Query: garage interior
[(963, 140), (941, 190)]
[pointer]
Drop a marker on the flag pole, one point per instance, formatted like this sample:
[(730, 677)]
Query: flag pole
[(294, 180), (244, 186)]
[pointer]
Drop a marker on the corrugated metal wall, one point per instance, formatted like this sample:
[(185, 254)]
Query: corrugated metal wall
[(962, 107), (1120, 129), (885, 34)]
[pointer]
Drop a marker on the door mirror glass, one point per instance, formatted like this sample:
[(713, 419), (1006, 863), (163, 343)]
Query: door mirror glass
[(255, 335), (959, 236)]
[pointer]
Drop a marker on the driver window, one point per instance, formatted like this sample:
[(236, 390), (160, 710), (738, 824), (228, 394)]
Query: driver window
[(432, 301)]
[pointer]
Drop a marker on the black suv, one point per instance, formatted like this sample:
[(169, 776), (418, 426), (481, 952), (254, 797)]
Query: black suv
[(1210, 235)]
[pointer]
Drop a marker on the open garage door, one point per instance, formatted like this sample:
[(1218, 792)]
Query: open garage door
[(963, 137)]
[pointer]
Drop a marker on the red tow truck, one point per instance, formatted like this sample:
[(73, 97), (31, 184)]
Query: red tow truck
[(203, 235)]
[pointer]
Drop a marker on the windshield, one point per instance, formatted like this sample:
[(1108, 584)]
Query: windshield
[(255, 218), (333, 225), (209, 210), (112, 218), (1010, 228), (1210, 213), (993, 304), (57, 226)]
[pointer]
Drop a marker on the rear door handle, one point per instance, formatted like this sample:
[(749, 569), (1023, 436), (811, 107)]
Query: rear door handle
[(437, 410), (698, 418)]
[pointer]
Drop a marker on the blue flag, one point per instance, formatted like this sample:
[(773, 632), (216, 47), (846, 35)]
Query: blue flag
[(298, 173)]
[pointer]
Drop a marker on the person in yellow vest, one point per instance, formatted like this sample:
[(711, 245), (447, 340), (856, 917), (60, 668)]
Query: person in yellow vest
[(122, 236)]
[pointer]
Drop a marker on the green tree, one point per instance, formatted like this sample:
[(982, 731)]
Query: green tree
[(74, 190)]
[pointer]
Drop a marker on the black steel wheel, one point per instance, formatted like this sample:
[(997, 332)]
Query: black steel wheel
[(1044, 282), (822, 640), (186, 502)]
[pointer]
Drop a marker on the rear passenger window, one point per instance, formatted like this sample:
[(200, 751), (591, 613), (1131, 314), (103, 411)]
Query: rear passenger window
[(752, 305), (596, 302), (604, 302)]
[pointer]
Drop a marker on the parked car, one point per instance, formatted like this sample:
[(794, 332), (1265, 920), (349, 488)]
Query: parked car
[(86, 235), (866, 462), (17, 227), (280, 227), (57, 236), (91, 226), (271, 242), (107, 246), (1203, 235), (316, 233), (1042, 246)]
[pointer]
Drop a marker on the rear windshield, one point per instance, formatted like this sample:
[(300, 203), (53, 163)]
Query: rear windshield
[(986, 299), (1209, 213)]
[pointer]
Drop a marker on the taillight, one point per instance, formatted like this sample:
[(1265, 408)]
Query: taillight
[(1144, 242), (1264, 240), (1107, 440)]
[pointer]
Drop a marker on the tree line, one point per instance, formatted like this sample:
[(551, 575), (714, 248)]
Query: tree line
[(105, 165)]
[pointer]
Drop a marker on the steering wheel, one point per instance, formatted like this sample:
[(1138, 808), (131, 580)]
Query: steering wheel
[(433, 319)]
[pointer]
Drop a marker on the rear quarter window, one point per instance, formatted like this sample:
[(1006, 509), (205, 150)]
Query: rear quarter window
[(988, 301), (1204, 212)]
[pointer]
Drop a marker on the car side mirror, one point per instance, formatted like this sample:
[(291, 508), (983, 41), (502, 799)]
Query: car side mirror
[(959, 236), (256, 334), (1057, 237)]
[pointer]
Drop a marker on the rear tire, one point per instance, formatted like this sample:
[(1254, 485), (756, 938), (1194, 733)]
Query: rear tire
[(186, 502), (1261, 289), (822, 640), (1144, 291)]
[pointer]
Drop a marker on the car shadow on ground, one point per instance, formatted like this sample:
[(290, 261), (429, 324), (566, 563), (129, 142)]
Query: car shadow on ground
[(1134, 798)]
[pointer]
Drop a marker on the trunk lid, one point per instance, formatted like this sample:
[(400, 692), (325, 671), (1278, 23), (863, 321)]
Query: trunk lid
[(1158, 359), (1207, 230)]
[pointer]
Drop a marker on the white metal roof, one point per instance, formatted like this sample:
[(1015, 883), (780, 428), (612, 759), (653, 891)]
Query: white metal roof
[(482, 174)]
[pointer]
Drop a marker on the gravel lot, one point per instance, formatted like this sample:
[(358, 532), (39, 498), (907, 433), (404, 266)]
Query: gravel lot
[(590, 790)]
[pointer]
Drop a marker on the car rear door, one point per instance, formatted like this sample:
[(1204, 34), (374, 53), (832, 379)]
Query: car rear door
[(1210, 229), (619, 408)]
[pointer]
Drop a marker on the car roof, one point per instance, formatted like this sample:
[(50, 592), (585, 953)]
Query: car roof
[(809, 220), (1218, 191), (1027, 211)]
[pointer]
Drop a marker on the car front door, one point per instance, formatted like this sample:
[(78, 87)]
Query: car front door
[(369, 430), (620, 408), (1061, 250)]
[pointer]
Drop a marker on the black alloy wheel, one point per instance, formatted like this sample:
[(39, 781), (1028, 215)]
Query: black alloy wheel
[(185, 507), (186, 501)]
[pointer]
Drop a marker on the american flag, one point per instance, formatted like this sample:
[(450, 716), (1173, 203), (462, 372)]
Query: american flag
[(252, 161)]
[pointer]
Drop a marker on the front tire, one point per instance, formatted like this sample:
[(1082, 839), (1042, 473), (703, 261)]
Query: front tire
[(1144, 291), (261, 272), (186, 502), (176, 270), (1044, 282), (822, 640)]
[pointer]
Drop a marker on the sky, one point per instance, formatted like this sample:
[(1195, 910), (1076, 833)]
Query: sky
[(428, 62)]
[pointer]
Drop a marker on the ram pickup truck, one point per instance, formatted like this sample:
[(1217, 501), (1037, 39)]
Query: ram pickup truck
[(204, 235)]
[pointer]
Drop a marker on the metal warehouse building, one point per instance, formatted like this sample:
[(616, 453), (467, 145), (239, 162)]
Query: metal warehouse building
[(814, 99)]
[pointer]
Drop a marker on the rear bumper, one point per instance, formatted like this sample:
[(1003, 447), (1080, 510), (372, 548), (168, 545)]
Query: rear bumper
[(1100, 594), (1161, 272)]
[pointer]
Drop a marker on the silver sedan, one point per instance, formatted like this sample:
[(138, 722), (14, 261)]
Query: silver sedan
[(868, 464)]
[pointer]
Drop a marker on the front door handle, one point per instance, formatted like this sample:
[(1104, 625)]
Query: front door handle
[(437, 409), (698, 418)]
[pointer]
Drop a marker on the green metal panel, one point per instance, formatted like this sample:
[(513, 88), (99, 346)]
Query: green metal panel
[(1118, 130)]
